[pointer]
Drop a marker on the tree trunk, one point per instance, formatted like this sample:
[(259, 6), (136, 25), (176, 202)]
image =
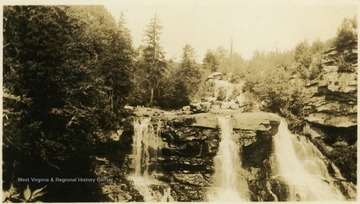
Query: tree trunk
[(112, 100), (151, 97)]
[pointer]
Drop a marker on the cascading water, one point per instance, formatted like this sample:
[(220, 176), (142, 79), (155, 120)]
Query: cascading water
[(229, 183), (303, 168), (146, 145)]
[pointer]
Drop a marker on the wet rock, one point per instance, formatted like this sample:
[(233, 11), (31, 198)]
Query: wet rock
[(211, 147), (193, 164), (257, 121), (191, 179), (186, 193), (185, 134), (191, 141), (348, 189), (256, 153), (246, 137), (279, 188)]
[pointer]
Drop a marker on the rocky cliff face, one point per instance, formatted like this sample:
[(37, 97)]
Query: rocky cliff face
[(333, 95), (331, 108), (192, 142)]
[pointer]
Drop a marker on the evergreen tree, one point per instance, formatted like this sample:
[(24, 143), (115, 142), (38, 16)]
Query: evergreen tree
[(58, 62), (181, 82), (347, 33), (188, 73), (152, 65)]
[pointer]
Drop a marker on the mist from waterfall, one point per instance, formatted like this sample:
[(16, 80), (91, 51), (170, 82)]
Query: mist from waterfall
[(230, 185), (302, 166), (146, 146)]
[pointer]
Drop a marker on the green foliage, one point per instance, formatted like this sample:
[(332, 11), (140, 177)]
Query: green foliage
[(15, 195), (151, 67), (229, 62), (69, 70), (210, 61), (189, 73), (345, 157), (343, 64), (276, 80), (345, 39), (347, 33), (182, 82), (270, 82), (307, 59), (302, 58), (58, 62)]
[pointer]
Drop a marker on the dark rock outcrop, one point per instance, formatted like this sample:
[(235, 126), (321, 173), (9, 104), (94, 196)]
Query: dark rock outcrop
[(191, 142), (331, 109), (333, 95)]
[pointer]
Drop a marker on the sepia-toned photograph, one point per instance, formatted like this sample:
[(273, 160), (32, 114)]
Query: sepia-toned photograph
[(179, 101)]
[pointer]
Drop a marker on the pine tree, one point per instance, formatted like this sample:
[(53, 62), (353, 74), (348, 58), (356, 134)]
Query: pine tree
[(189, 74), (153, 62)]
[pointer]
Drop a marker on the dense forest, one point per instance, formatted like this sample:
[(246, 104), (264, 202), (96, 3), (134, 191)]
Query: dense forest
[(69, 71)]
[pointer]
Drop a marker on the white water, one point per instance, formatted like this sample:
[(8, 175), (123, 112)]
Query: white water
[(146, 145), (229, 183), (302, 166), (150, 189)]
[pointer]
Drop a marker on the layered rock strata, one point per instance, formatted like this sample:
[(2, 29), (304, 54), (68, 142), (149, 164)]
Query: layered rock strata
[(331, 108), (191, 142)]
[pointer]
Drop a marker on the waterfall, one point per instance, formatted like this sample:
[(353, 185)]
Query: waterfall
[(302, 166), (146, 145), (229, 183)]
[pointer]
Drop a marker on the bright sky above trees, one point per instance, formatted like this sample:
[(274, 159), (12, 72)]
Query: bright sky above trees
[(260, 25), (206, 24)]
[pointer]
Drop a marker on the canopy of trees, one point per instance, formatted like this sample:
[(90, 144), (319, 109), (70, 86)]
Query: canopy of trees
[(68, 71), (65, 79), (182, 81)]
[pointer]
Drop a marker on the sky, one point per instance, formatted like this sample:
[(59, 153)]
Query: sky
[(264, 25), (279, 25)]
